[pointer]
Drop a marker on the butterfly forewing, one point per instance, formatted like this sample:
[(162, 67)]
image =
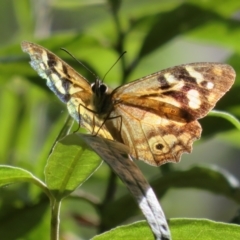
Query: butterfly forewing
[(71, 87), (193, 89), (155, 116)]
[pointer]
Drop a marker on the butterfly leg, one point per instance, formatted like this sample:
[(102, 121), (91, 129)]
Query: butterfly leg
[(117, 133), (79, 117)]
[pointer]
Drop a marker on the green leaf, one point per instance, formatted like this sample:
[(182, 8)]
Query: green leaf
[(10, 175), (182, 229), (138, 230), (186, 18), (212, 179), (218, 6), (26, 220), (216, 30), (189, 229), (69, 165)]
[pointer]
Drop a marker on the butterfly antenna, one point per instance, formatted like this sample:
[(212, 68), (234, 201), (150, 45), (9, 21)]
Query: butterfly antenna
[(65, 50), (114, 64)]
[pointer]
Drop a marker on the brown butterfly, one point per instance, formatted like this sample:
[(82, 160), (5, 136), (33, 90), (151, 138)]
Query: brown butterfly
[(155, 116)]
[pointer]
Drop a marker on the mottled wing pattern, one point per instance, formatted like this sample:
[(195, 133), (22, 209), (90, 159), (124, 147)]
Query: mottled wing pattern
[(71, 87), (159, 112), (155, 116)]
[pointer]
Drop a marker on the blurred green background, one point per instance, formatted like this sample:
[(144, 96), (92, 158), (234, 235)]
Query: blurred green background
[(156, 35)]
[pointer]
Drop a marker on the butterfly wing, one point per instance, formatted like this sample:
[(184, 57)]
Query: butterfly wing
[(156, 115), (159, 112), (70, 87)]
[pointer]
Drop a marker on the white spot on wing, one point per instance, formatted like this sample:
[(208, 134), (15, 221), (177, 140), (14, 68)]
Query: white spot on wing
[(44, 56), (197, 75), (170, 78), (209, 85), (58, 83), (194, 100), (42, 65)]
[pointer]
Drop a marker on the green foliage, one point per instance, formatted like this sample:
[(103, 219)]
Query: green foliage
[(186, 229), (155, 34), (69, 165)]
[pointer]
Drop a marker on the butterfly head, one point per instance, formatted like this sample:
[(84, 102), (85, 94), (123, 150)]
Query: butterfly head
[(101, 95), (99, 88)]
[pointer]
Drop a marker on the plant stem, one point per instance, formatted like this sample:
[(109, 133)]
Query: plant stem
[(111, 188), (55, 220)]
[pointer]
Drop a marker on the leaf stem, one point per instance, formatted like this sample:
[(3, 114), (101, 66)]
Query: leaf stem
[(55, 220), (227, 116)]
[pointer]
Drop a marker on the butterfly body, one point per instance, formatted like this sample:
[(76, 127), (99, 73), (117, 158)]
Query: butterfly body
[(155, 116)]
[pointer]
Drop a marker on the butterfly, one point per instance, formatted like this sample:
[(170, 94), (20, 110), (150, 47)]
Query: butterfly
[(155, 116)]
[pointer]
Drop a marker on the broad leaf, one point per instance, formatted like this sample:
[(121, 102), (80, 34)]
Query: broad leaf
[(69, 165), (182, 229)]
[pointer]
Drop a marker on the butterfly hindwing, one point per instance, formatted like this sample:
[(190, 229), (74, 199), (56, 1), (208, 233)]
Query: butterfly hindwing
[(159, 112), (154, 139)]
